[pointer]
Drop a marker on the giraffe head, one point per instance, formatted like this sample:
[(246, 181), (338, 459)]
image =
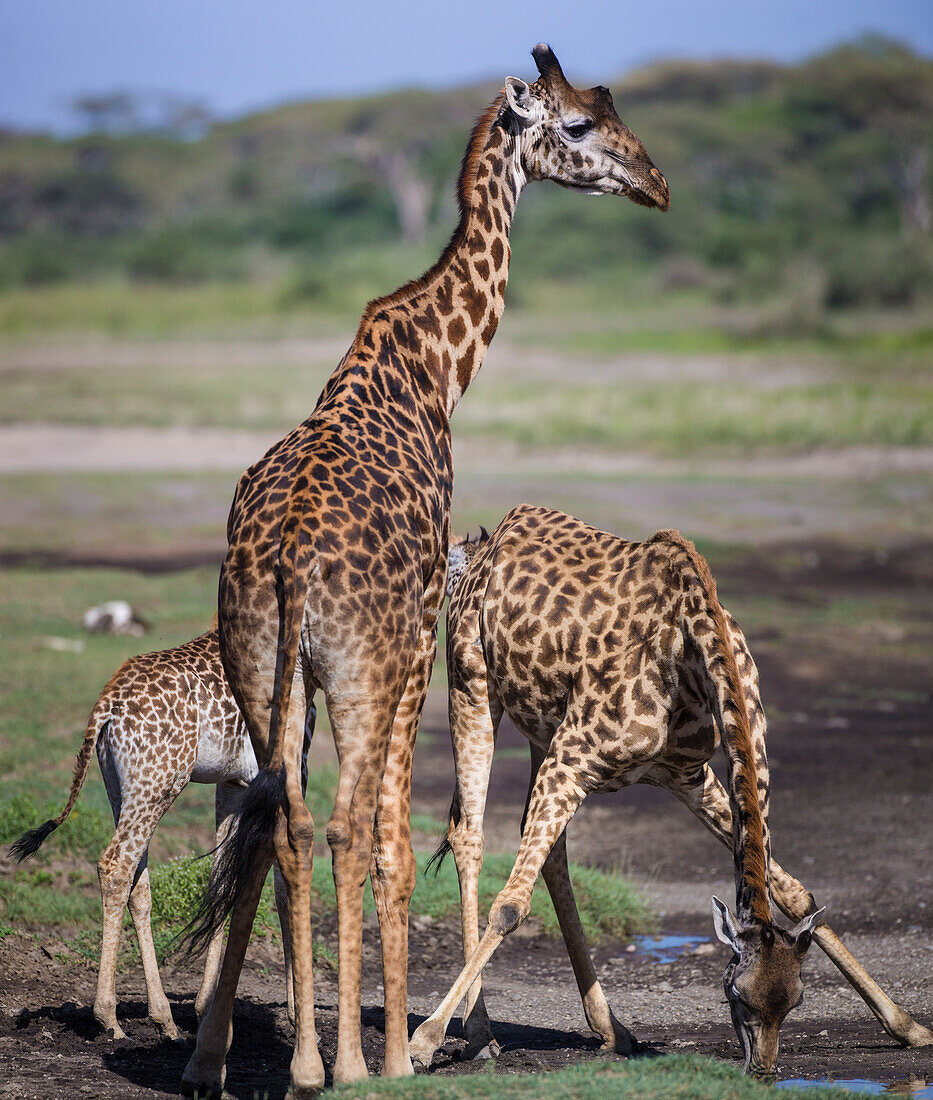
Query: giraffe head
[(762, 980), (574, 137), (459, 555)]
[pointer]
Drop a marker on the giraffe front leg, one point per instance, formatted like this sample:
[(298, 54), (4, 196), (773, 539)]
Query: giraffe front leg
[(206, 1070), (796, 902), (559, 789), (708, 800), (281, 907)]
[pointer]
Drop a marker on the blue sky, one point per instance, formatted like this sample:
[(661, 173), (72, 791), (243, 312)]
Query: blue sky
[(241, 54)]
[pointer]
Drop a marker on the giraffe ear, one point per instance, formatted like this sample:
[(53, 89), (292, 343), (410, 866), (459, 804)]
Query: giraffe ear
[(522, 103), (803, 933), (724, 924)]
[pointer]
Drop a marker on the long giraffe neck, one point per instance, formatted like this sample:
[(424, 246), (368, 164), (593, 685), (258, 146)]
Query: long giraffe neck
[(449, 316)]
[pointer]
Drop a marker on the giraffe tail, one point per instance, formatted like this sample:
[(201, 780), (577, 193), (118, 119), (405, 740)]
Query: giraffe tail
[(726, 684), (248, 845), (30, 842), (444, 848)]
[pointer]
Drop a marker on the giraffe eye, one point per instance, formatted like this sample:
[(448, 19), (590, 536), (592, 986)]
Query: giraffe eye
[(577, 130)]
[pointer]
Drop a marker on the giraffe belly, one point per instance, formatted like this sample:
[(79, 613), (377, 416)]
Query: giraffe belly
[(225, 756)]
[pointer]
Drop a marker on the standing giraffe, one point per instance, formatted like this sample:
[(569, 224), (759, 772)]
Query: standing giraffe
[(334, 575), (163, 720), (619, 665)]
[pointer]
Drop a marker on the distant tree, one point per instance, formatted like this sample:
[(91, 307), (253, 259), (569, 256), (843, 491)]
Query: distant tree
[(185, 118), (873, 98), (109, 113)]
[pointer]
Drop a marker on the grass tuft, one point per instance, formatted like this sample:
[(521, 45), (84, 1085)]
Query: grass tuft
[(673, 1077)]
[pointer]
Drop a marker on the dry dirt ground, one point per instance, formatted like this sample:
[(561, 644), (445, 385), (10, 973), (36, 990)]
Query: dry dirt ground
[(852, 817)]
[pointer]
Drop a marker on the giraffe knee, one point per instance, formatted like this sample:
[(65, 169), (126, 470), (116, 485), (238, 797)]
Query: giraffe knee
[(395, 869), (505, 917), (339, 832), (298, 831)]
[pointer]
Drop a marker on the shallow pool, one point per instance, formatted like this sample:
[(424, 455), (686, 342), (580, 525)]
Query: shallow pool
[(917, 1087), (665, 949)]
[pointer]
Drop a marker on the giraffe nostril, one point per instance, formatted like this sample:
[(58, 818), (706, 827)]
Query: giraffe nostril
[(657, 175)]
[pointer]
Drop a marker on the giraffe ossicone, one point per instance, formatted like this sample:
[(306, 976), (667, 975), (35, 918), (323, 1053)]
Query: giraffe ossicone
[(336, 563)]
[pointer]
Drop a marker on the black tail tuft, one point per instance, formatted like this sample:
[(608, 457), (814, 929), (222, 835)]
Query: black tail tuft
[(30, 843), (444, 847), (439, 856), (238, 860)]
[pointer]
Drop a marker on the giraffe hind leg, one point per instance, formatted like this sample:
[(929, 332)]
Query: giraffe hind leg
[(616, 1038), (474, 721), (140, 905)]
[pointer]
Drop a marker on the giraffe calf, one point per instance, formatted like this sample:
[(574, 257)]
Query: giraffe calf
[(164, 720), (617, 662)]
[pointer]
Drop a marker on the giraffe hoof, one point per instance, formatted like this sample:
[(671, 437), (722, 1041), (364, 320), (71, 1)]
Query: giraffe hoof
[(481, 1050), (423, 1044), (304, 1092), (198, 1081), (168, 1030), (918, 1036)]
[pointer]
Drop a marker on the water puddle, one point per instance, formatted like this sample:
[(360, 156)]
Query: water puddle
[(917, 1087), (665, 949)]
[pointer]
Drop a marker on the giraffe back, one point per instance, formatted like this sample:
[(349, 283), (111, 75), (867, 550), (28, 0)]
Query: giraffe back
[(555, 610), (172, 712)]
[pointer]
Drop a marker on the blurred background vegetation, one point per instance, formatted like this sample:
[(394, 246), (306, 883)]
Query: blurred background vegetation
[(801, 196)]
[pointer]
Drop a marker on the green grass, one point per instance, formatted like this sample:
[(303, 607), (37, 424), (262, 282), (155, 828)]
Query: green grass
[(261, 396), (116, 308), (685, 417), (673, 1077)]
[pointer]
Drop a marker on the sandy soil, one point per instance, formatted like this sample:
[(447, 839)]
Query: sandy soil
[(852, 816)]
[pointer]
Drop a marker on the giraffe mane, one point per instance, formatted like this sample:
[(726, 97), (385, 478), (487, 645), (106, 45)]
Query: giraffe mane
[(466, 180)]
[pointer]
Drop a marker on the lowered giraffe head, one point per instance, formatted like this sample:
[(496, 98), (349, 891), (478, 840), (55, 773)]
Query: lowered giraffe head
[(574, 137), (762, 980)]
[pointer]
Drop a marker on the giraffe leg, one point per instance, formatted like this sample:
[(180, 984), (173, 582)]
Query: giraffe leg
[(294, 853), (362, 728), (226, 799), (599, 1015), (474, 722), (556, 876), (115, 883), (393, 863), (206, 1069), (140, 903), (558, 790), (281, 907), (709, 801), (281, 892), (124, 881)]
